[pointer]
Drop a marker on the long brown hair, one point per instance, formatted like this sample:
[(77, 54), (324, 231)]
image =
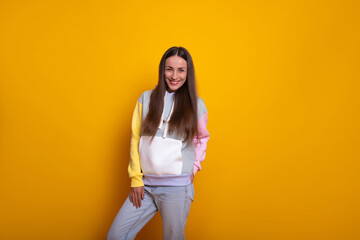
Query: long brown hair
[(183, 120)]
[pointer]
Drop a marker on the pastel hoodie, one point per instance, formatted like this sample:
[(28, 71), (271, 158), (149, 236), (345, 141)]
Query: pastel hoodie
[(167, 160)]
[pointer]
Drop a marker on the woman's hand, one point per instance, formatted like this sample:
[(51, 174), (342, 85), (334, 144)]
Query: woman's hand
[(136, 194), (192, 177)]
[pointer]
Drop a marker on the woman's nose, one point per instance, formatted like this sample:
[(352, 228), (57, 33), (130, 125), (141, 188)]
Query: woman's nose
[(174, 75)]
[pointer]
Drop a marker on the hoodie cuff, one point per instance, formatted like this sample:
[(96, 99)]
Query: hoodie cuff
[(137, 181)]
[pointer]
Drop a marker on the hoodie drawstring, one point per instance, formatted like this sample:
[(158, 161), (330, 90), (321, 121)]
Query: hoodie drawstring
[(168, 119)]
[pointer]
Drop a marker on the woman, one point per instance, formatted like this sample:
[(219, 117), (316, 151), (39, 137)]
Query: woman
[(168, 142)]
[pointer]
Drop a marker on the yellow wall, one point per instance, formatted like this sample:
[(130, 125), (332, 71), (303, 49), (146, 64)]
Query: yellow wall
[(281, 82)]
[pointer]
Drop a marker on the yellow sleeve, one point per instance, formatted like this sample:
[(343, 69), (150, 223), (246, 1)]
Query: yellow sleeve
[(134, 168)]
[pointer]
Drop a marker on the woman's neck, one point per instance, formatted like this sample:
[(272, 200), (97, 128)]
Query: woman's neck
[(170, 93)]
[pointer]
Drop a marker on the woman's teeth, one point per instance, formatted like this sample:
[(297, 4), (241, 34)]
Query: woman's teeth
[(174, 82)]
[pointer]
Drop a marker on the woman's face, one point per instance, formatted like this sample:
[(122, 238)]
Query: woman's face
[(175, 72)]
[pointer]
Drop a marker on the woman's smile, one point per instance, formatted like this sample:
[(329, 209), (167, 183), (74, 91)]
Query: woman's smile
[(174, 83)]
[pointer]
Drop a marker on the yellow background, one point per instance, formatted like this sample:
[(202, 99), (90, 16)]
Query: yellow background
[(281, 83)]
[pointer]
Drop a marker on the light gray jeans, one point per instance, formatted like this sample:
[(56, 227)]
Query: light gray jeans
[(173, 204)]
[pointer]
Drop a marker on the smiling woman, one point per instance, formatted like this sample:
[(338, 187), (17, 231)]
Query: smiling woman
[(175, 74), (169, 139)]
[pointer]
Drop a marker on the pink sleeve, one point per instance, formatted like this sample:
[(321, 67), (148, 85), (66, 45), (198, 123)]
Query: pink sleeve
[(200, 143)]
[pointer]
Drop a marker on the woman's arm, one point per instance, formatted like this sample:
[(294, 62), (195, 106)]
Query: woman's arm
[(134, 168), (200, 143)]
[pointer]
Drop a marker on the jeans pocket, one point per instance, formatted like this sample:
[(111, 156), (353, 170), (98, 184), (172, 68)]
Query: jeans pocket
[(190, 191)]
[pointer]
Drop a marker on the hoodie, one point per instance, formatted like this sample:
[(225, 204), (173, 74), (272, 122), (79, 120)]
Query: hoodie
[(167, 160)]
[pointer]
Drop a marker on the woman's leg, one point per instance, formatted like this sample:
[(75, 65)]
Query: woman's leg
[(130, 220), (174, 206)]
